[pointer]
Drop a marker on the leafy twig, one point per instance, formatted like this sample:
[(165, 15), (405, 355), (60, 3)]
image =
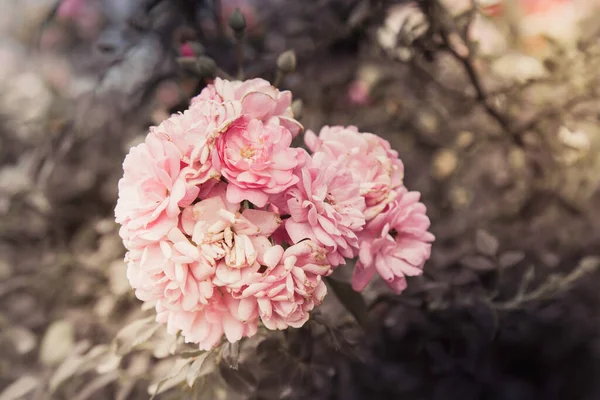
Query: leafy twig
[(466, 60), (553, 285)]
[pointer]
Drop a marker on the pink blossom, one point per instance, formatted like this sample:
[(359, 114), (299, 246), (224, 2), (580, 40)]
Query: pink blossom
[(206, 259), (177, 279), (152, 190), (185, 49), (257, 160), (84, 14), (220, 231), (395, 244), (368, 157), (258, 98), (291, 286), (236, 318), (326, 207), (195, 274), (358, 93), (70, 9), (194, 132)]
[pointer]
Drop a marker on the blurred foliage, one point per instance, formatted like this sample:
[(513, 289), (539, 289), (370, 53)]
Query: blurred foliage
[(501, 138)]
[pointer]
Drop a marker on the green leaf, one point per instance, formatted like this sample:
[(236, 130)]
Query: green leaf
[(350, 299)]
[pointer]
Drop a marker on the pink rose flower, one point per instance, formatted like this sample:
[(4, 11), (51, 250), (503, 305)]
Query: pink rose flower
[(368, 157), (177, 279), (291, 286), (259, 99), (194, 132), (221, 232), (208, 261), (395, 244), (326, 207), (236, 318), (152, 190), (257, 160)]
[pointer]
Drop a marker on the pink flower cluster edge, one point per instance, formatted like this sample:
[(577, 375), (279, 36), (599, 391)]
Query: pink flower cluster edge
[(227, 225)]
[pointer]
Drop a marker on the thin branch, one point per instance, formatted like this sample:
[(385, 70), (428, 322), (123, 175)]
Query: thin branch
[(551, 287), (467, 63)]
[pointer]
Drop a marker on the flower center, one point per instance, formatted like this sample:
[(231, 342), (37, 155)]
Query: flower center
[(329, 199), (247, 152)]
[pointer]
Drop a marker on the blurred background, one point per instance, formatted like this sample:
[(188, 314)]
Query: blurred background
[(493, 106)]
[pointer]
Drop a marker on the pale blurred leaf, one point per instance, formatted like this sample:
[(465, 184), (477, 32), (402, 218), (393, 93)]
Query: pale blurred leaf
[(176, 376), (478, 263), (117, 273), (57, 343), (139, 363), (148, 305), (164, 344), (125, 390), (510, 258), (23, 339), (589, 263), (202, 366), (486, 243), (96, 384), (77, 364), (19, 388), (110, 363), (134, 334)]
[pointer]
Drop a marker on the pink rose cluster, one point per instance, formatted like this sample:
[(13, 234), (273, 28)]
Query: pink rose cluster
[(227, 225)]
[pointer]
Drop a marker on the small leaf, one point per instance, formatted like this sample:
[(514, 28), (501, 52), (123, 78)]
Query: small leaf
[(352, 300), (486, 244), (191, 354), (589, 263), (77, 363), (177, 376), (96, 384), (240, 380), (478, 263), (511, 258), (23, 339), (57, 343), (230, 353), (117, 274), (359, 14), (134, 334), (203, 365), (19, 388), (464, 277), (110, 363)]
